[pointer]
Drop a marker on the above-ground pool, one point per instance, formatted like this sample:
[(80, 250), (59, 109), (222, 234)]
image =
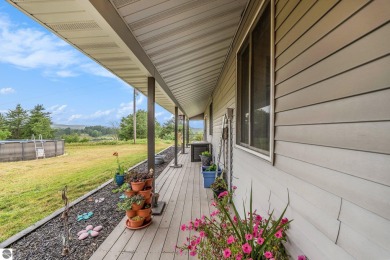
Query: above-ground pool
[(21, 150)]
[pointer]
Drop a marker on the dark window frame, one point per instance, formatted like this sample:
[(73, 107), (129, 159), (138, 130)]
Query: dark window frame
[(247, 42)]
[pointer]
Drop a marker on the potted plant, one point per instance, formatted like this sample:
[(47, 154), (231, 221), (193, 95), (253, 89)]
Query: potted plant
[(205, 158), (209, 174), (137, 202), (136, 221), (126, 205), (120, 171), (145, 212), (149, 178), (245, 235), (146, 192), (137, 181), (126, 188), (218, 186)]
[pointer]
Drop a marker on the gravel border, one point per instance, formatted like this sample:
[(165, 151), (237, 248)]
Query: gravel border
[(43, 239)]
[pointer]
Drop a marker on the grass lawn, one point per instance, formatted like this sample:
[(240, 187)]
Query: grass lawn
[(31, 190)]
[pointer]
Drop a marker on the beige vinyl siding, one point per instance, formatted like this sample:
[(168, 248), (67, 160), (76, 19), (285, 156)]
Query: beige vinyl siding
[(332, 127)]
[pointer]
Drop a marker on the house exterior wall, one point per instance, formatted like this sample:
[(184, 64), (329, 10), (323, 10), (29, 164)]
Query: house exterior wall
[(332, 127)]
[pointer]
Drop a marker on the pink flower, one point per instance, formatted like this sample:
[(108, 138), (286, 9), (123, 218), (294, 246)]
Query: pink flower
[(238, 257), (202, 234), (278, 234), (284, 220), (246, 248), (248, 237), (181, 252), (230, 240), (192, 253), (235, 219), (223, 194), (259, 218), (260, 241), (227, 253), (196, 223), (183, 227), (214, 213), (268, 255), (234, 187), (301, 257), (213, 204)]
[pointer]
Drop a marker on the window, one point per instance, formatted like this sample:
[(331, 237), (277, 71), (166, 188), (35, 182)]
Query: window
[(254, 87), (211, 119)]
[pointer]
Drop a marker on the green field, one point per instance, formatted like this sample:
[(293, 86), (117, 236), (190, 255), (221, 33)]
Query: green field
[(30, 185)]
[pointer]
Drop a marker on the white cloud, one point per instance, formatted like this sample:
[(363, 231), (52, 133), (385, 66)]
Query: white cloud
[(127, 108), (168, 118), (73, 117), (97, 114), (66, 74), (158, 114), (57, 109), (3, 111), (5, 91), (31, 48)]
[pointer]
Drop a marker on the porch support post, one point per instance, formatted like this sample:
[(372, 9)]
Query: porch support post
[(176, 165), (188, 133), (157, 206), (183, 145), (151, 118)]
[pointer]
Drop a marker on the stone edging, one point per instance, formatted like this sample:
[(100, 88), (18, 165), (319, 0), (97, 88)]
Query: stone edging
[(39, 223)]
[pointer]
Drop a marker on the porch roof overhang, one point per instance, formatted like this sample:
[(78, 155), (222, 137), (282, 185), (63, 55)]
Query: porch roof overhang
[(183, 44)]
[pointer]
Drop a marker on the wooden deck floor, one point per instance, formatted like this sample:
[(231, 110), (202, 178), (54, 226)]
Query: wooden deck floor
[(182, 190)]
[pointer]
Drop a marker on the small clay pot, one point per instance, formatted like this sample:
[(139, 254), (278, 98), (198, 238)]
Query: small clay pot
[(144, 212), (149, 201), (135, 206), (130, 193), (149, 182), (136, 223), (146, 193), (131, 213), (137, 186), (148, 218)]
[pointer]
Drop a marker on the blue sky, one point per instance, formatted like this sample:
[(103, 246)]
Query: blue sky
[(37, 67)]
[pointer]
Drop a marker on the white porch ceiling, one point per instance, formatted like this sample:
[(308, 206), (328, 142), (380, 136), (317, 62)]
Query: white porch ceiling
[(182, 43)]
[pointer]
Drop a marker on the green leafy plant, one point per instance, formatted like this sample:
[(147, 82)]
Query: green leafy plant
[(226, 234), (137, 218), (137, 199), (219, 184), (120, 170), (125, 204), (147, 206), (212, 168), (206, 153)]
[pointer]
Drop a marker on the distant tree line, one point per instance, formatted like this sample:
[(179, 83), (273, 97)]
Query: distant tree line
[(20, 123)]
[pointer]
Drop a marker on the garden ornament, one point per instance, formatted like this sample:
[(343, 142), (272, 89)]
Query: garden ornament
[(89, 230)]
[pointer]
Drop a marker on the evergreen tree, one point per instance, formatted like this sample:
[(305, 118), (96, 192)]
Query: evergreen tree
[(39, 122), (16, 121), (4, 132)]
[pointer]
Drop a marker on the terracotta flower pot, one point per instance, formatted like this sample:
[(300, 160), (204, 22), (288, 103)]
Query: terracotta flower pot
[(131, 213), (144, 212), (137, 186), (149, 200), (130, 193), (149, 182), (146, 193), (136, 223), (135, 206), (148, 218)]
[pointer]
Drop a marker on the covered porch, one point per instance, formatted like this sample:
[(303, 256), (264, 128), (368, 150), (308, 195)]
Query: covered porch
[(186, 199)]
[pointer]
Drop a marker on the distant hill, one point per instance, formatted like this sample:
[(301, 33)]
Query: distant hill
[(197, 130), (60, 126)]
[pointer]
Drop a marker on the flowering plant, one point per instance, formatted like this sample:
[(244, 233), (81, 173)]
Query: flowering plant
[(226, 235), (120, 170)]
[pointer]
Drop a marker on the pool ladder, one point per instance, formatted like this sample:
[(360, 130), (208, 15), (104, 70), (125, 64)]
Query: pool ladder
[(39, 147)]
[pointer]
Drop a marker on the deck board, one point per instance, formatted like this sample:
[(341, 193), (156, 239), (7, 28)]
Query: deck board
[(182, 191)]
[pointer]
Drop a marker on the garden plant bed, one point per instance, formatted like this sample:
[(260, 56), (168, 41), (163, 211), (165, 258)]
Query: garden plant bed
[(46, 242)]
